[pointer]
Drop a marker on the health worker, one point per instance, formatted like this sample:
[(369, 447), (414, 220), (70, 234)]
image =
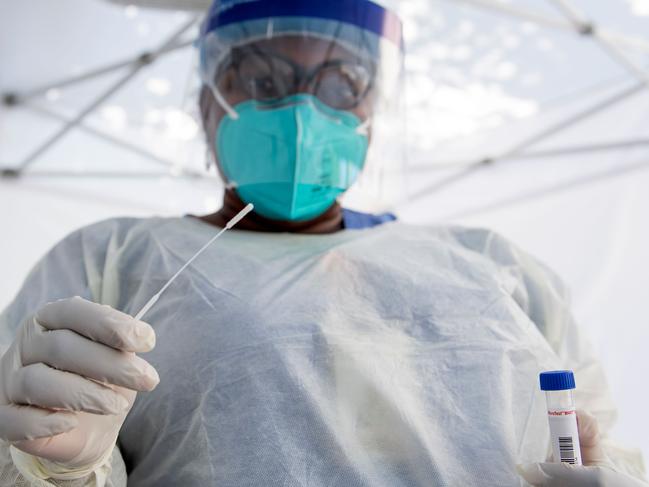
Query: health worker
[(312, 345)]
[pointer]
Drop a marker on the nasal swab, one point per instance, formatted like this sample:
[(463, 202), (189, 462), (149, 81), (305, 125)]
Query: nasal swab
[(227, 227)]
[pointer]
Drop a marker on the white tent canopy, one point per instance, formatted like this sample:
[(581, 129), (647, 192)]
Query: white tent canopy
[(553, 94), (191, 5)]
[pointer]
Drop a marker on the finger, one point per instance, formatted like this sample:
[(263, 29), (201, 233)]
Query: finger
[(69, 351), (592, 451), (67, 447), (532, 474), (563, 475), (588, 428), (98, 322), (27, 422), (45, 387)]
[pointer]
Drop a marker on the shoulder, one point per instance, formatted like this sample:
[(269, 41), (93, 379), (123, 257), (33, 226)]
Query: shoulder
[(535, 287), (488, 247), (489, 244), (479, 240), (117, 231), (119, 226), (476, 240), (96, 243)]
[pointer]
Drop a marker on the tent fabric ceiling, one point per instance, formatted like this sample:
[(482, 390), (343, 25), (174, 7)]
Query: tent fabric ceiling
[(191, 5), (470, 70), (478, 83)]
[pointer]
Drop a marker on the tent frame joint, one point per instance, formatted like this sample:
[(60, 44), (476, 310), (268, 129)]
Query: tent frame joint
[(146, 58), (587, 29), (9, 173), (11, 99)]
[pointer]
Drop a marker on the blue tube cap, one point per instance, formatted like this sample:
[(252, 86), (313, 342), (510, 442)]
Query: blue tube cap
[(557, 380)]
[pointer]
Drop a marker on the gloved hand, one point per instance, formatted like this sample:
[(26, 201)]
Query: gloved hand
[(566, 475), (597, 470), (69, 380)]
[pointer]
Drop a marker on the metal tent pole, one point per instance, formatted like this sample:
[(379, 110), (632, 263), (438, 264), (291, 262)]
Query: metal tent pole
[(563, 151), (572, 120), (112, 140), (575, 23), (17, 97), (586, 27), (48, 174), (471, 167), (558, 152), (562, 187), (31, 158), (519, 13), (560, 24), (437, 186)]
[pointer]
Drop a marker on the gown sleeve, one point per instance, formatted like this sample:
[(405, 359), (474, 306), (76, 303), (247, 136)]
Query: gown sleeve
[(541, 294), (73, 267)]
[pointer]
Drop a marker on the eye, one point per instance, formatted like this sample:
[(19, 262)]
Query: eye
[(263, 88), (266, 78), (343, 85)]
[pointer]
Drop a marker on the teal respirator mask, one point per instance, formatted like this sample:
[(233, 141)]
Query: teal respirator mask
[(299, 94), (291, 159)]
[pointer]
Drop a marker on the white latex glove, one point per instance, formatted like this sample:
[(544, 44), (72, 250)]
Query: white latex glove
[(597, 471), (566, 475), (69, 380)]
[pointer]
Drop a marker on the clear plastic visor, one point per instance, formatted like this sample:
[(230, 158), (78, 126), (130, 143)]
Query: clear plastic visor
[(327, 77)]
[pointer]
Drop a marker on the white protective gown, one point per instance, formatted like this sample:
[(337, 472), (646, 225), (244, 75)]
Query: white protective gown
[(394, 356)]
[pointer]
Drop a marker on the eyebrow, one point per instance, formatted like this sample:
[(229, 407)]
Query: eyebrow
[(350, 58)]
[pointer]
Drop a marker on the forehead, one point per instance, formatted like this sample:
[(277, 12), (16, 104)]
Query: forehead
[(305, 50)]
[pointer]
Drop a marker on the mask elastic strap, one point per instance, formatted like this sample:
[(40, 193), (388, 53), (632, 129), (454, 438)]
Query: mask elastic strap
[(224, 104), (299, 124), (208, 158), (364, 128)]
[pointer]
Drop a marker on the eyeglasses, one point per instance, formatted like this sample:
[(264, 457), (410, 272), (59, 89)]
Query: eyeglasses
[(269, 77)]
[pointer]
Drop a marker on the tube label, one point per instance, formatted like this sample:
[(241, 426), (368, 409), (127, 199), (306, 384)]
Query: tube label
[(564, 435)]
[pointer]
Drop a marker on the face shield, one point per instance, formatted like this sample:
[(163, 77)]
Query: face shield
[(309, 95)]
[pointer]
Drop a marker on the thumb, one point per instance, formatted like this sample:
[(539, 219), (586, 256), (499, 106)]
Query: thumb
[(554, 475), (592, 452), (588, 428), (533, 474)]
